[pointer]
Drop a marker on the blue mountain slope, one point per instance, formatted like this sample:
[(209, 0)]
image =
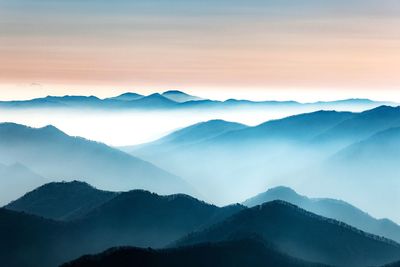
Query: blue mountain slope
[(330, 208), (61, 200), (55, 155), (16, 179), (303, 235), (180, 97), (126, 97), (361, 126), (382, 147), (297, 128), (187, 136)]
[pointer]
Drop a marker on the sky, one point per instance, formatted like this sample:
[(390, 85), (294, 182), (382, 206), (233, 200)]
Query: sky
[(277, 49)]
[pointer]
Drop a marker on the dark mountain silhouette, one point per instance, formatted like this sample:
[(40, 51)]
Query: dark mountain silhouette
[(126, 97), (61, 201), (145, 219), (136, 218), (180, 97), (27, 240), (16, 179), (395, 264), (57, 156), (248, 252), (302, 234), (361, 126), (331, 208)]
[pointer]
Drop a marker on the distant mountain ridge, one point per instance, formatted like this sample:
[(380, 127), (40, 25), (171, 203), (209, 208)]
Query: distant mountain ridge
[(176, 99), (330, 208)]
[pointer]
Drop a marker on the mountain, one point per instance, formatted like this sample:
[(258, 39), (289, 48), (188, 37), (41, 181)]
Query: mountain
[(382, 147), (361, 126), (61, 201), (27, 240), (180, 97), (16, 179), (182, 100), (296, 128), (126, 97), (362, 172), (145, 219), (187, 136), (66, 101), (303, 235), (224, 254), (136, 218), (57, 156), (238, 153), (395, 264), (150, 102), (331, 208)]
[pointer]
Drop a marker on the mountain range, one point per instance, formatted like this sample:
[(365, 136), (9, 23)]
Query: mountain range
[(179, 100), (303, 235), (329, 152), (64, 201), (136, 218), (56, 156), (72, 219), (330, 208)]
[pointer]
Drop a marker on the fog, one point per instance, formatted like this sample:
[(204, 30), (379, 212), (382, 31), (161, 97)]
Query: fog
[(222, 170), (132, 127)]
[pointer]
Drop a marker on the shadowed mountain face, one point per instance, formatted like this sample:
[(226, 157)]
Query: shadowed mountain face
[(61, 201), (136, 218), (16, 179), (27, 240), (225, 254), (303, 235), (57, 156), (395, 264), (331, 208), (145, 219)]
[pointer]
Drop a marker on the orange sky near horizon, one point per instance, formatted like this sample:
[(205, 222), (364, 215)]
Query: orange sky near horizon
[(68, 47)]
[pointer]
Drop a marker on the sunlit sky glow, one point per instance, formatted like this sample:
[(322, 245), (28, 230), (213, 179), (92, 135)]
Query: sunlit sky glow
[(279, 49)]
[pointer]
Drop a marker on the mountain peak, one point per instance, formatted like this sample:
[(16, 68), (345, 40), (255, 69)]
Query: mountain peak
[(128, 96), (174, 92), (180, 97)]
